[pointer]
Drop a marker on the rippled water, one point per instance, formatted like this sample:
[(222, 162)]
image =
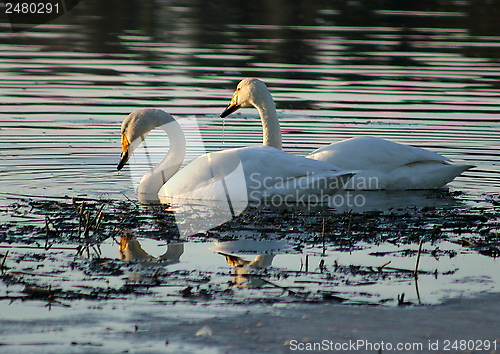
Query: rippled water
[(424, 78)]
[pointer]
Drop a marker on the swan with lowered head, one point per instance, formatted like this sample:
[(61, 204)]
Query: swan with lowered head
[(382, 164), (242, 174)]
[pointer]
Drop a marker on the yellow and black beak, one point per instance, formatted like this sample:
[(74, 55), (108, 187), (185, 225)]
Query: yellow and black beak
[(230, 109), (233, 106), (125, 155)]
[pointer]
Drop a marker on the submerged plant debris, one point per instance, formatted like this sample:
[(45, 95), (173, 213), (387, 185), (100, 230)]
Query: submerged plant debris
[(50, 250)]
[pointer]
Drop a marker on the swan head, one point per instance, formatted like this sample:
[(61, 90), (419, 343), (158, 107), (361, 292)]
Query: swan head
[(250, 92), (136, 127)]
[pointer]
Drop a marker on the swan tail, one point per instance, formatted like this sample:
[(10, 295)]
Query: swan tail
[(425, 176)]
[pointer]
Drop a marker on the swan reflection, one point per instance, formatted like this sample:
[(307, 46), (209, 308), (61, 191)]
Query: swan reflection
[(130, 250), (249, 273)]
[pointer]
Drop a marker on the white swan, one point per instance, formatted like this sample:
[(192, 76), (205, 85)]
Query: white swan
[(243, 174), (382, 164)]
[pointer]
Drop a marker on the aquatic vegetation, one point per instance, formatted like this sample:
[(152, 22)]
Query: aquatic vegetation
[(51, 250)]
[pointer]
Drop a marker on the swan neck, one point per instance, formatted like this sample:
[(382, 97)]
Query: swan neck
[(176, 151), (271, 130), (153, 180)]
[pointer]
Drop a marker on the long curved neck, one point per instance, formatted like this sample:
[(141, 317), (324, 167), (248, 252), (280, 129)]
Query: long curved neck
[(271, 131), (152, 181)]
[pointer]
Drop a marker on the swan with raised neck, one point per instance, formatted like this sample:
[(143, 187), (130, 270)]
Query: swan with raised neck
[(252, 92), (390, 165)]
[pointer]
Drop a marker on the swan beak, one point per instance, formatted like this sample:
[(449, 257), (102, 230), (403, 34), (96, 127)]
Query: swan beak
[(125, 155), (123, 160), (233, 107)]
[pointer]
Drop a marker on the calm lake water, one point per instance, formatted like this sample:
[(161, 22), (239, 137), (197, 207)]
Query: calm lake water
[(424, 74)]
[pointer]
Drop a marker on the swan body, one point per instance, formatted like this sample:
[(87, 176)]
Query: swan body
[(389, 165), (381, 164), (255, 174), (244, 174)]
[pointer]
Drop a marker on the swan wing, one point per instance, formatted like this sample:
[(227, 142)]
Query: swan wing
[(371, 153), (271, 172), (275, 163), (205, 178), (423, 175)]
